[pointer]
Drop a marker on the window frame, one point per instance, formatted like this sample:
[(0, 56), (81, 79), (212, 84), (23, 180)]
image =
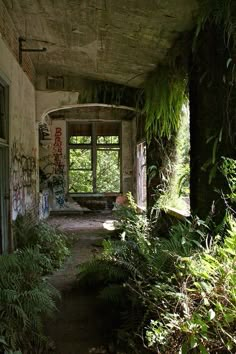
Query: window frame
[(94, 146), (4, 141)]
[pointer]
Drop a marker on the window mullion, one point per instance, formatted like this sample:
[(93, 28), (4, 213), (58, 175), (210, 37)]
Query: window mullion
[(94, 157)]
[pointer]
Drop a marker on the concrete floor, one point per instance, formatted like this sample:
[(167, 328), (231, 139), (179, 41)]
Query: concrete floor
[(78, 327)]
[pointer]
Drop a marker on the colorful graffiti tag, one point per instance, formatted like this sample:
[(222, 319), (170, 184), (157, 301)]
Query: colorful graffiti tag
[(23, 179), (57, 152)]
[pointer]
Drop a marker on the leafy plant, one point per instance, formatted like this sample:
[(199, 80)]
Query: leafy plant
[(228, 168), (50, 242), (218, 12), (174, 294), (200, 303), (165, 95), (24, 298)]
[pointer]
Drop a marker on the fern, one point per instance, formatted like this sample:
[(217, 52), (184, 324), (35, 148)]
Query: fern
[(165, 95), (99, 272), (114, 294), (24, 298), (52, 244)]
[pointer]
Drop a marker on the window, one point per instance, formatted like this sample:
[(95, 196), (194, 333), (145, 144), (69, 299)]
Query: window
[(94, 157)]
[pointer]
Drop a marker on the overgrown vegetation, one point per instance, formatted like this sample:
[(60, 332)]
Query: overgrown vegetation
[(165, 95), (220, 13), (175, 190), (25, 297), (173, 293), (51, 243)]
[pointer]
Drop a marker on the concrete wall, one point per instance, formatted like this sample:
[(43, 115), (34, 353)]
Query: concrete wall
[(10, 36), (23, 150)]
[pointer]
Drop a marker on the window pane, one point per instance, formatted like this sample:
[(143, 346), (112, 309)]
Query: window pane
[(108, 171), (80, 140), (80, 159), (80, 182), (107, 140)]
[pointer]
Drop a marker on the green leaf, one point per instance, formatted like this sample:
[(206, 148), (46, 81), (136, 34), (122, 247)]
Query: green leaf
[(193, 342), (203, 349), (214, 151), (184, 348)]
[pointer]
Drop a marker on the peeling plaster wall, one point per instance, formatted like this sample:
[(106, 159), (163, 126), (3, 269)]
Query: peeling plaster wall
[(23, 150)]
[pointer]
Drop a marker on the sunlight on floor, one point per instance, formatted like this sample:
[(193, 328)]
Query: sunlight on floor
[(109, 225)]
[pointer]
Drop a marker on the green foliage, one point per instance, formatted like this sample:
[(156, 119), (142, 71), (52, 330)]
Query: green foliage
[(109, 93), (200, 303), (165, 95), (174, 294), (176, 187), (228, 168), (218, 12), (51, 243), (24, 298), (161, 100), (107, 169)]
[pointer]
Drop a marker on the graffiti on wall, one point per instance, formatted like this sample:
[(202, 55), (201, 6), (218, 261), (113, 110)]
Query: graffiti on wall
[(44, 131), (44, 204), (52, 170), (58, 180), (57, 152), (23, 179)]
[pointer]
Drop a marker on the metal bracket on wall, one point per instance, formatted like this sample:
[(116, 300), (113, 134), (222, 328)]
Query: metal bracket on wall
[(21, 49)]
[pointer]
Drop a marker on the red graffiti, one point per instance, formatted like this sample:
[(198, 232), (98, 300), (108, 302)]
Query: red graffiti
[(57, 152)]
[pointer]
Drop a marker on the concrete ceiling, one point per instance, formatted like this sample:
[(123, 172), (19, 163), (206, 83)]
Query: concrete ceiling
[(114, 40)]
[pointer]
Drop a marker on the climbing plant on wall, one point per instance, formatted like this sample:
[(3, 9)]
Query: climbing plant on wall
[(218, 12)]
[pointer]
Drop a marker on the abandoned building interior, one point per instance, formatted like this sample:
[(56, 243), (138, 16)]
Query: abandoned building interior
[(111, 106), (58, 150), (72, 136)]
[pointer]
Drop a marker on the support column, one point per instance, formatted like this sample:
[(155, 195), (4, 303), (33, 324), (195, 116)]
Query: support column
[(212, 120)]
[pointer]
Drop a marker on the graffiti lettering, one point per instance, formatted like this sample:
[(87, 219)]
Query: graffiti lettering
[(58, 179), (23, 178), (57, 152)]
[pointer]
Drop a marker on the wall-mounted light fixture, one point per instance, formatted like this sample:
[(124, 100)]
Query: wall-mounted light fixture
[(21, 49)]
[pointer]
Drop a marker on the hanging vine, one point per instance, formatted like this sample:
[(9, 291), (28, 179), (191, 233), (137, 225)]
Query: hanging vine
[(164, 97)]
